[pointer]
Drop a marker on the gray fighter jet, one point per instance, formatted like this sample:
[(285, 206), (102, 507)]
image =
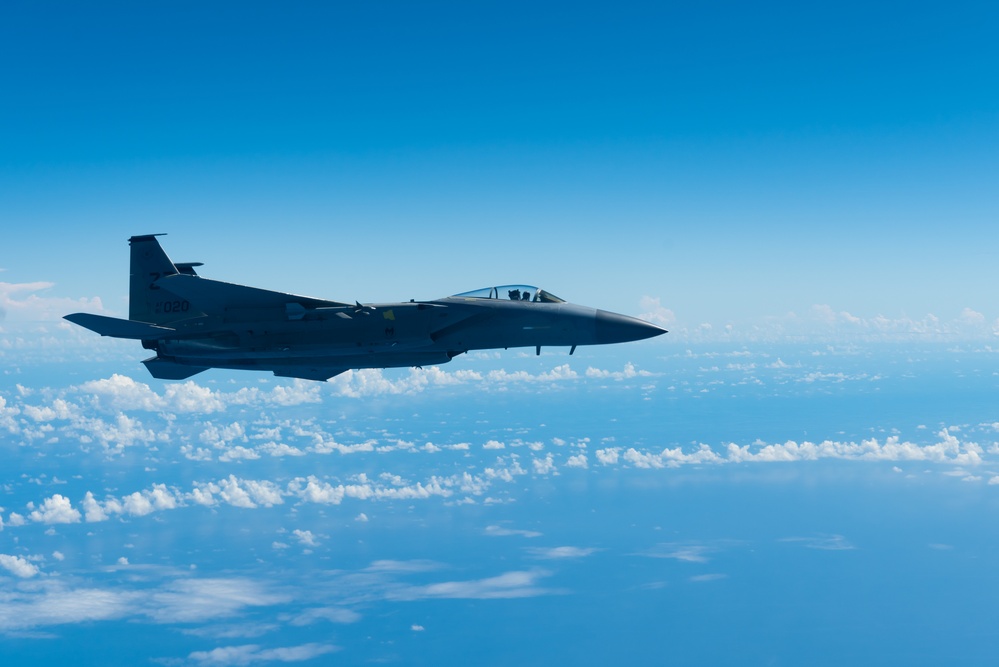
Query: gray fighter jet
[(194, 324)]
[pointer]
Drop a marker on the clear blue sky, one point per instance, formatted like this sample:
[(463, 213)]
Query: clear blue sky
[(734, 161)]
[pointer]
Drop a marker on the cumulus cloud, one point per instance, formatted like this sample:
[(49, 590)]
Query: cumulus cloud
[(18, 566), (948, 450), (608, 456), (305, 537), (239, 452), (629, 372), (653, 311), (114, 437), (7, 416), (56, 509), (280, 449), (545, 466), (120, 392)]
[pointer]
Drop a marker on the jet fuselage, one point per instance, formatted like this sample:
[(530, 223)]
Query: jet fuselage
[(193, 323)]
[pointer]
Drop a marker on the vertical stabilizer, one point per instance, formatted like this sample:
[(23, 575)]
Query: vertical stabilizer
[(146, 300)]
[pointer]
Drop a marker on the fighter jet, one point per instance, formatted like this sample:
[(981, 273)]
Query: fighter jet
[(194, 323)]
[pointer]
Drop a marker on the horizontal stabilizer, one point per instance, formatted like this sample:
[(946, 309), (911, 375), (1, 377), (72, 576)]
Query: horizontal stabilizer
[(168, 370), (118, 328), (187, 268), (215, 296)]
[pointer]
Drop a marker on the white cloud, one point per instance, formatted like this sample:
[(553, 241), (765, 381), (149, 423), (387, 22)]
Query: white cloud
[(691, 553), (7, 415), (218, 436), (18, 566), (948, 450), (194, 600), (26, 302), (822, 542), (556, 553), (331, 614), (246, 493), (231, 631), (655, 312), (252, 653), (114, 438), (56, 509), (121, 392), (557, 374), (297, 393), (280, 449), (500, 531), (52, 602), (60, 409), (545, 466), (92, 509), (238, 452), (518, 584), (629, 372), (305, 537), (403, 566), (191, 397), (319, 492), (608, 456)]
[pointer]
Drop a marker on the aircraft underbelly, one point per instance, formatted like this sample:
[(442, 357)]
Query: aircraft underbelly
[(394, 359), (264, 349), (508, 327), (305, 339)]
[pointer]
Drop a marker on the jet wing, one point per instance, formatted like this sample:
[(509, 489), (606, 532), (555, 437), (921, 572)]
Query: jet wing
[(307, 373), (214, 295), (165, 369)]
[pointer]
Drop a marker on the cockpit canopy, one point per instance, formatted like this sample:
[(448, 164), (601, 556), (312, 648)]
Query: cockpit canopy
[(512, 293)]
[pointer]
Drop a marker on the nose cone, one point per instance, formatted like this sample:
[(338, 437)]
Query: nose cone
[(614, 328)]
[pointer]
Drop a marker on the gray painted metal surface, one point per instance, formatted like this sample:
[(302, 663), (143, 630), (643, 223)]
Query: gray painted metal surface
[(194, 323)]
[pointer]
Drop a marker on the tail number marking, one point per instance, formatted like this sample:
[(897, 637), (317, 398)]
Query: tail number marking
[(172, 306)]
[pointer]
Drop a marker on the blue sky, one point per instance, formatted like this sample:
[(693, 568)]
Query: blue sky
[(805, 195), (735, 162)]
